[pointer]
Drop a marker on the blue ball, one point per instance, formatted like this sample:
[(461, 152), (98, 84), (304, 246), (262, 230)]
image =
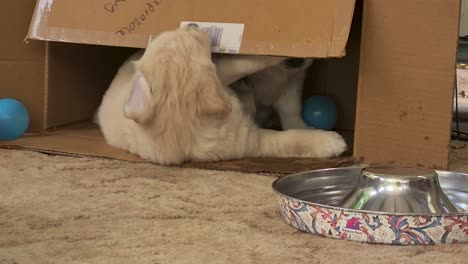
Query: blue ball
[(319, 112), (14, 119)]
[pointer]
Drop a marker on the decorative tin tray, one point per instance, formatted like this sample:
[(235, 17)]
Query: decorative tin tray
[(312, 202)]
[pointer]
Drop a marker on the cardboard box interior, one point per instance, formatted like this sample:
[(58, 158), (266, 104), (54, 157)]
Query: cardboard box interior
[(396, 82)]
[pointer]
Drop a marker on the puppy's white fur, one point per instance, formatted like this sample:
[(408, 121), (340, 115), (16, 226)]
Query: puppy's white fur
[(169, 104)]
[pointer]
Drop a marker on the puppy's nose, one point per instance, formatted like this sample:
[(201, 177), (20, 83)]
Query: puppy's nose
[(294, 62)]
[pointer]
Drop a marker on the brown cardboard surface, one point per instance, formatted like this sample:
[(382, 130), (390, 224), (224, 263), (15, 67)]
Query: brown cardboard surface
[(24, 81), (86, 140), (22, 66), (407, 73), (78, 76), (302, 28), (82, 139), (15, 20)]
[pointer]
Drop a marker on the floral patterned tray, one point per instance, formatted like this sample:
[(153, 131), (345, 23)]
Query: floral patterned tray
[(310, 202)]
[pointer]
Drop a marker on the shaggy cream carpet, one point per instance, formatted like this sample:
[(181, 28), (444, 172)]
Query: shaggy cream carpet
[(57, 209)]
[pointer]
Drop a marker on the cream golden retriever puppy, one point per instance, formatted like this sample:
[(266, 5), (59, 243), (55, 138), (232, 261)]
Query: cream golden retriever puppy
[(170, 104)]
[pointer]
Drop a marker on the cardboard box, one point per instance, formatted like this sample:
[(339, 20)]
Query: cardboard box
[(400, 65)]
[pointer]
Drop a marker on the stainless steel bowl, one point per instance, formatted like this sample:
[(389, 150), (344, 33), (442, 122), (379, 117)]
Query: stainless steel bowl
[(399, 190), (313, 202)]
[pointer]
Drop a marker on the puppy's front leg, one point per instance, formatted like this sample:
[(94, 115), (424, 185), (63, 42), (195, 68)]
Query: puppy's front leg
[(231, 68), (299, 143), (289, 105)]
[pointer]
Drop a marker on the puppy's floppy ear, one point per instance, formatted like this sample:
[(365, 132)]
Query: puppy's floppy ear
[(212, 99), (139, 105)]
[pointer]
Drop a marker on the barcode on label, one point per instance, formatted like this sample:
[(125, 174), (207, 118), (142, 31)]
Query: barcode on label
[(225, 37), (215, 34)]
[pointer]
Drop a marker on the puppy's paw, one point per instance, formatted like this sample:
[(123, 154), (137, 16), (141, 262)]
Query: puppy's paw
[(333, 145), (322, 144)]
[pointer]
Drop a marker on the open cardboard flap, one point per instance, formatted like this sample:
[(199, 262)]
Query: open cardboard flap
[(86, 140), (307, 28)]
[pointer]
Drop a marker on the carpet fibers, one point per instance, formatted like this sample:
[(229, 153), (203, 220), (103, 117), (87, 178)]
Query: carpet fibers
[(56, 209)]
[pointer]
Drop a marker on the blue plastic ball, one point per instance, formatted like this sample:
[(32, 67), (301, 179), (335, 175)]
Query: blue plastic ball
[(319, 112), (14, 119)]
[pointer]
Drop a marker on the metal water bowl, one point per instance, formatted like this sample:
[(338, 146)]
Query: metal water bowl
[(399, 190)]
